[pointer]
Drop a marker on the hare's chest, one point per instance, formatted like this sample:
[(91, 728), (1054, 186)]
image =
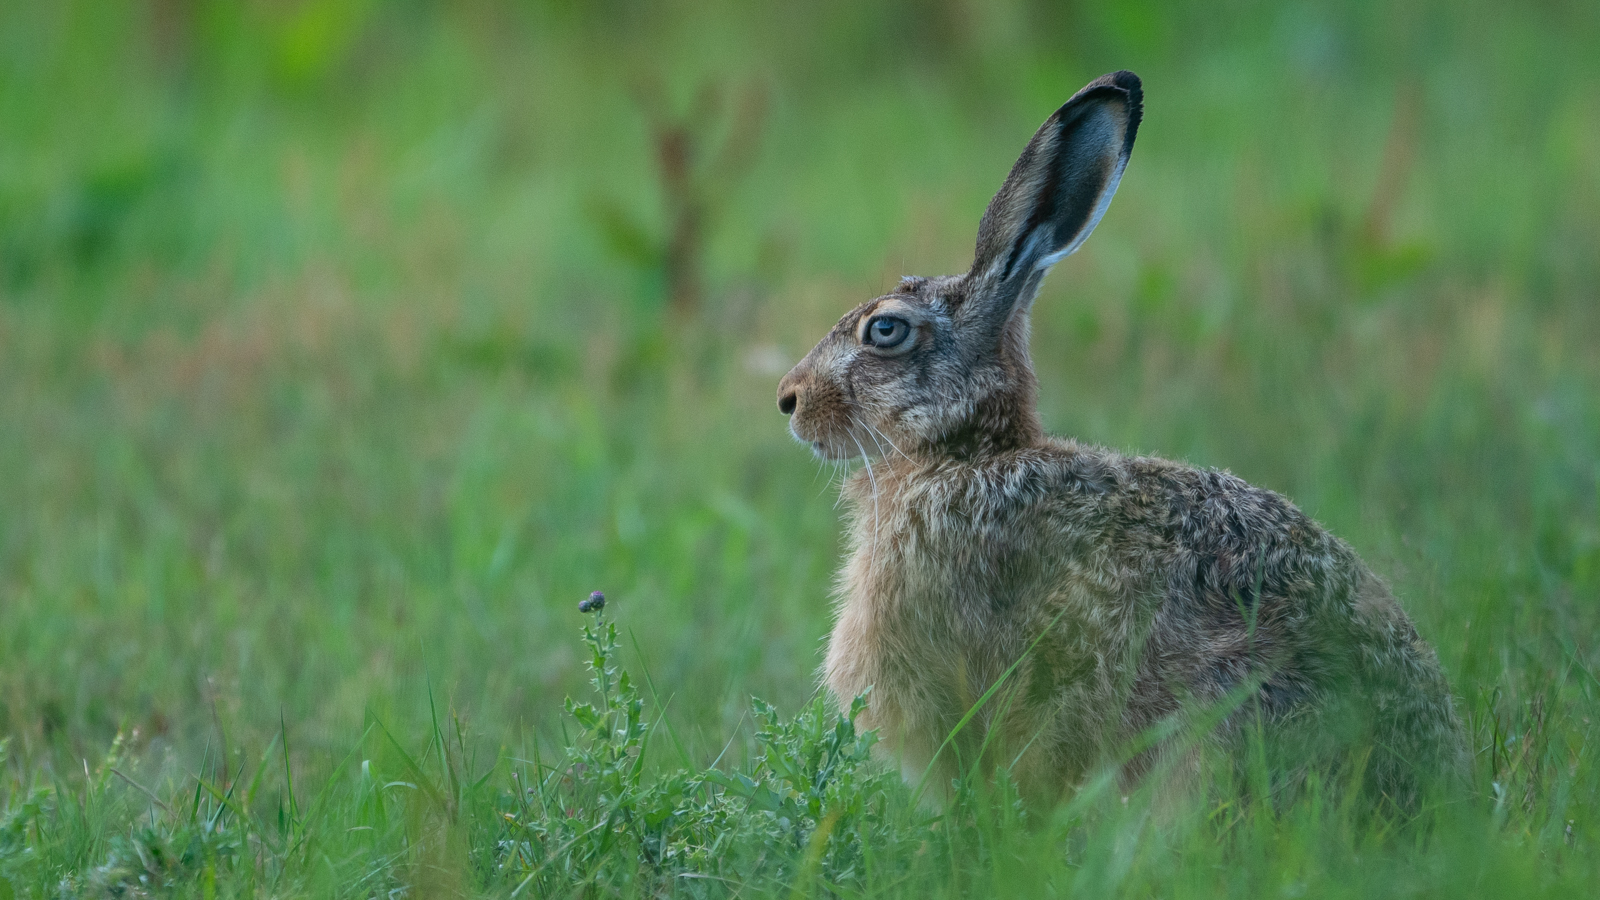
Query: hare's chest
[(928, 611)]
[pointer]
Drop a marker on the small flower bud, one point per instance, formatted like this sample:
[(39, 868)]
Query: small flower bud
[(595, 603)]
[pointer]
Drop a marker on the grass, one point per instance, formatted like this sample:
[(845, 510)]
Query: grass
[(345, 347)]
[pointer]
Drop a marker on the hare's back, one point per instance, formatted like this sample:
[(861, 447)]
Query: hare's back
[(1234, 578), (1245, 589)]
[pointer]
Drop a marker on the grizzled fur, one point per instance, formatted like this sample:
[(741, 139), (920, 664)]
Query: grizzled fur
[(1150, 592)]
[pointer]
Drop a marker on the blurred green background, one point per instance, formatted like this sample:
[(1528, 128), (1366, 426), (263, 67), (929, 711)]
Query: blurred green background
[(345, 346)]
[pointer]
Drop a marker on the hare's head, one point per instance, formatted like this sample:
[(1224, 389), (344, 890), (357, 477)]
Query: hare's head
[(941, 364)]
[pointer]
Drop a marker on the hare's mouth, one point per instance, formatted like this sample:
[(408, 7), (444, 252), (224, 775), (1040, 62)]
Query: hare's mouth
[(821, 447), (828, 450), (822, 450)]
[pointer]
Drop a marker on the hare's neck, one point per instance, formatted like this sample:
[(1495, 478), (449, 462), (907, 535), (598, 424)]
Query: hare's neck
[(1006, 416), (1000, 423), (874, 495)]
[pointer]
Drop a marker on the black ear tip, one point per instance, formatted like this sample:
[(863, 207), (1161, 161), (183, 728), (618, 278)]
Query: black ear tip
[(1129, 82), (1126, 80), (1130, 86), (1125, 83)]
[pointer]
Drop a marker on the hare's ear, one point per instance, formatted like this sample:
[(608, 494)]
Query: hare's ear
[(1055, 194)]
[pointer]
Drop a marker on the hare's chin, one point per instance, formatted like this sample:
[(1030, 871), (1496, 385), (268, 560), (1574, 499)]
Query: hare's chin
[(819, 449)]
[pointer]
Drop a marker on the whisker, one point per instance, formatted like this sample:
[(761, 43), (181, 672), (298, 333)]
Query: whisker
[(890, 443), (873, 437), (841, 472), (872, 554), (832, 468)]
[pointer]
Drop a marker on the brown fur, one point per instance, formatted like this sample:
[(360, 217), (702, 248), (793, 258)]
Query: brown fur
[(1153, 589)]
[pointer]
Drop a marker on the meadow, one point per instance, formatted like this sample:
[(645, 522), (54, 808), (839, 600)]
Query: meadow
[(346, 345)]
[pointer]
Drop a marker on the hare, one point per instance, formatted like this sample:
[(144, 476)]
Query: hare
[(1097, 599)]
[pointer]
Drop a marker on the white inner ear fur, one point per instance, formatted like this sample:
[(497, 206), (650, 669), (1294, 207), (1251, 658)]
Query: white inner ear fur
[(1103, 130), (1098, 144)]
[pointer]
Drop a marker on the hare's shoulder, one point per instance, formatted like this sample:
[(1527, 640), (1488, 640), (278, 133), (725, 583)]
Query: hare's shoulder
[(1212, 540)]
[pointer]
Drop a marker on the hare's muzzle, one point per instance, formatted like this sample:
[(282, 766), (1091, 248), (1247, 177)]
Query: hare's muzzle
[(789, 390), (811, 396)]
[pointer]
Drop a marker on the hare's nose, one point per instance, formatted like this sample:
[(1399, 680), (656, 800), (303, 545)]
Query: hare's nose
[(787, 401)]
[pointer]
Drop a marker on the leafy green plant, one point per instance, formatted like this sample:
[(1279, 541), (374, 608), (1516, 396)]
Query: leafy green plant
[(811, 805)]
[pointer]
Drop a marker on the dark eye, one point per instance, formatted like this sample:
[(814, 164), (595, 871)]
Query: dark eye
[(887, 331)]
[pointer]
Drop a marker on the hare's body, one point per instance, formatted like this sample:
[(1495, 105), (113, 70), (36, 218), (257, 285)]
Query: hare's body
[(1141, 575), (1123, 595)]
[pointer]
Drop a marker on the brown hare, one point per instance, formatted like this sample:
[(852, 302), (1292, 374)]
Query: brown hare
[(1136, 593)]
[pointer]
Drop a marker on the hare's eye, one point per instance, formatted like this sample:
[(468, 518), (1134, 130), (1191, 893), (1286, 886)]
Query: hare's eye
[(885, 332)]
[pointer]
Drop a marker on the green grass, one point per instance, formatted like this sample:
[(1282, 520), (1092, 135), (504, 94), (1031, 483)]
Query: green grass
[(339, 361)]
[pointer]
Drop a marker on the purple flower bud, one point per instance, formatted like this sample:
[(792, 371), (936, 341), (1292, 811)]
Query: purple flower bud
[(595, 603)]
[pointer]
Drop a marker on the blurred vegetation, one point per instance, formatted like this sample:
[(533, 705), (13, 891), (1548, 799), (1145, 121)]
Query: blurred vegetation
[(345, 345)]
